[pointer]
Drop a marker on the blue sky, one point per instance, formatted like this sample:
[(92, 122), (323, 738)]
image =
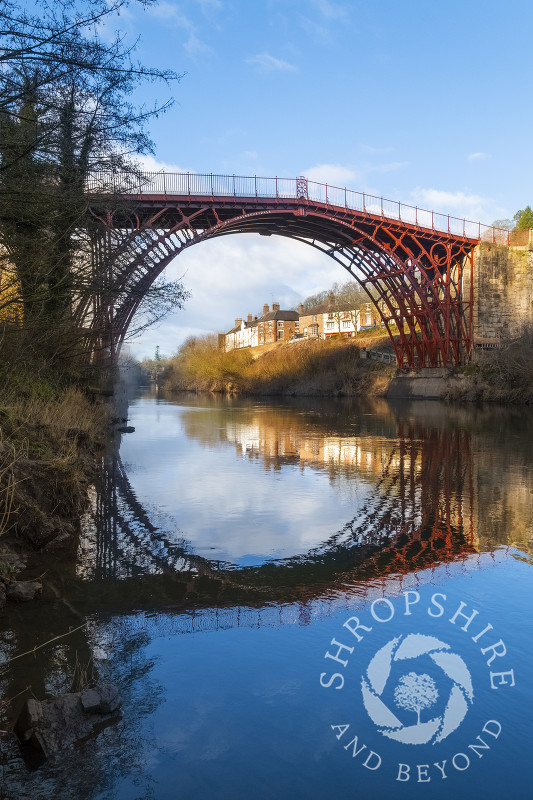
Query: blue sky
[(424, 102)]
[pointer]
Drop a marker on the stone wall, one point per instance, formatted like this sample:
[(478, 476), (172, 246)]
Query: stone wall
[(503, 290)]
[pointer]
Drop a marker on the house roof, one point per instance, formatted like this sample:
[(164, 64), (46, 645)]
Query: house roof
[(288, 316), (328, 308), (285, 315)]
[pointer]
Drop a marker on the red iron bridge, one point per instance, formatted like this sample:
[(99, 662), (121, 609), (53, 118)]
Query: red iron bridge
[(417, 264)]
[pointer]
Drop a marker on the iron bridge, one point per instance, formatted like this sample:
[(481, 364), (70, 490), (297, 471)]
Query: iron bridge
[(417, 264)]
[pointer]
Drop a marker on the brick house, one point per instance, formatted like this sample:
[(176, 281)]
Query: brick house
[(311, 321), (273, 326)]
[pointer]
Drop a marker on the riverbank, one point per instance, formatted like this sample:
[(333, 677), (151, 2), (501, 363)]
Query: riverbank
[(335, 368), (49, 440), (304, 368)]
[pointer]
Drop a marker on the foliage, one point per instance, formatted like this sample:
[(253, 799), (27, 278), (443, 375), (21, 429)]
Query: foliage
[(524, 219), (316, 367), (347, 295)]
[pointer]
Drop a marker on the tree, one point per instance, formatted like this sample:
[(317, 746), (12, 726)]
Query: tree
[(66, 115), (415, 692), (524, 219)]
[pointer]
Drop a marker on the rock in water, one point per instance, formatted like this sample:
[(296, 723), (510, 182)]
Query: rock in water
[(23, 591), (45, 728)]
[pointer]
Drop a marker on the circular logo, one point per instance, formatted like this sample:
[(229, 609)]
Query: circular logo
[(399, 675)]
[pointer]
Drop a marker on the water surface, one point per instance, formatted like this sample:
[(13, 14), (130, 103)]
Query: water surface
[(231, 550)]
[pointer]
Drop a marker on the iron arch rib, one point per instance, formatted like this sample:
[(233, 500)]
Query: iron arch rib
[(417, 273)]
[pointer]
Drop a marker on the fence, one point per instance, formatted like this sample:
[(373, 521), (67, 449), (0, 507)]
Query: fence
[(214, 186), (378, 355)]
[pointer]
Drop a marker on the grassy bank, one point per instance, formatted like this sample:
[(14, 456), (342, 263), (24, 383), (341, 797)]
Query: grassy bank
[(331, 367), (48, 440), (501, 376)]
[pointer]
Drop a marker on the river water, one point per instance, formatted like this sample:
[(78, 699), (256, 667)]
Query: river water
[(297, 599)]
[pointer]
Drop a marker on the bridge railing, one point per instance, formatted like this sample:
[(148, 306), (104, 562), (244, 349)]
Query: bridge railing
[(194, 184)]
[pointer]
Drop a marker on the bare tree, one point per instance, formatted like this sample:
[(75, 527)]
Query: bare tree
[(65, 115)]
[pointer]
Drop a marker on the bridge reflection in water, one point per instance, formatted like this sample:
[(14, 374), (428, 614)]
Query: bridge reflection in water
[(435, 494), (417, 514)]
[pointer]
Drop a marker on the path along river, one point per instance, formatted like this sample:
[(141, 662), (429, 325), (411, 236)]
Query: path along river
[(297, 599)]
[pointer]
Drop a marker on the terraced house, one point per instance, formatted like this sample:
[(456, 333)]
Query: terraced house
[(273, 326)]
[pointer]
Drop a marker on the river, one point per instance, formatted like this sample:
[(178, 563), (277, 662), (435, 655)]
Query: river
[(297, 599)]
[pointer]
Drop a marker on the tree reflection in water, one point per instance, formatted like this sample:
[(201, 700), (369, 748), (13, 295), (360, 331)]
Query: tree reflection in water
[(428, 488)]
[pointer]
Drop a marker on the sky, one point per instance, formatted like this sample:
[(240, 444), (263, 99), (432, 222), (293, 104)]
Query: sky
[(418, 101)]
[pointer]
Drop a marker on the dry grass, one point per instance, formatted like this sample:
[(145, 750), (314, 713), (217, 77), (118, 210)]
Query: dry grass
[(45, 445), (8, 459), (303, 367)]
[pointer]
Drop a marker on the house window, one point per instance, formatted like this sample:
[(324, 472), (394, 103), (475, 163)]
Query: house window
[(330, 326), (346, 323), (330, 316), (280, 334), (313, 330), (305, 331), (296, 324), (314, 318), (280, 323)]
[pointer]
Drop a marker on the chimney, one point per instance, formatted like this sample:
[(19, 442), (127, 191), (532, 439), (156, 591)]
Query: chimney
[(249, 319), (238, 321), (275, 306), (300, 308), (265, 309), (331, 299)]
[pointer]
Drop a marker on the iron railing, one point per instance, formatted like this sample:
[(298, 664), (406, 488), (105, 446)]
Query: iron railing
[(223, 186)]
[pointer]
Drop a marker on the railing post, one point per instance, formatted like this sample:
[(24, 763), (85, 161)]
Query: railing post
[(255, 181), (165, 183), (234, 190), (345, 200), (212, 192), (416, 215), (432, 220), (326, 194), (448, 223), (189, 184), (276, 186), (381, 198)]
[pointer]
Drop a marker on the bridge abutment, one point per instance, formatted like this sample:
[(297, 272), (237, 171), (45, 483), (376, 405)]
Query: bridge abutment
[(503, 290)]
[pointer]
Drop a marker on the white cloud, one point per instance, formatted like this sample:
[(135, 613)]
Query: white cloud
[(460, 204), (268, 63), (233, 276), (333, 174), (172, 16), (150, 164), (477, 156)]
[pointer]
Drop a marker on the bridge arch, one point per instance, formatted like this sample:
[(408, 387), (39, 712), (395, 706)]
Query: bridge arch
[(416, 268)]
